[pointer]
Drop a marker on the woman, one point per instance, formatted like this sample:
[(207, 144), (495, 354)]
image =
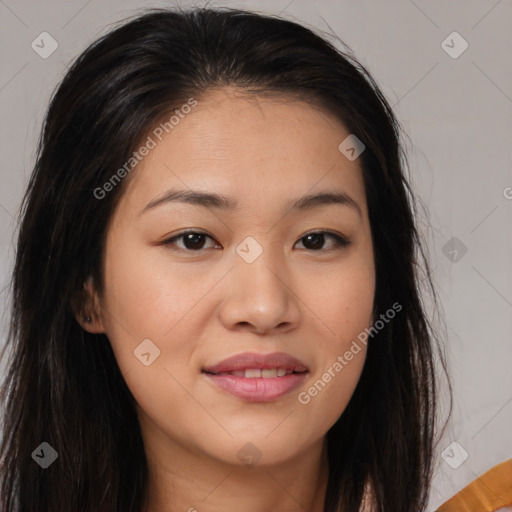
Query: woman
[(216, 295)]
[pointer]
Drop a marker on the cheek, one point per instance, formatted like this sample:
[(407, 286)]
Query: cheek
[(341, 354), (148, 297), (328, 393), (343, 306), (152, 317), (149, 289), (342, 298)]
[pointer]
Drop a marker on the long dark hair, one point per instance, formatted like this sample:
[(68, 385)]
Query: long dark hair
[(63, 385)]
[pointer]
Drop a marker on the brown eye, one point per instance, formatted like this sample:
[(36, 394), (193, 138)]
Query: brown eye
[(191, 241), (315, 241)]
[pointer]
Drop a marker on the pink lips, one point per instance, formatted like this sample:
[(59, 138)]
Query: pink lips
[(258, 388)]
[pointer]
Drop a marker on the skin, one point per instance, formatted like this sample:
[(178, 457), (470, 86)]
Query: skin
[(199, 307)]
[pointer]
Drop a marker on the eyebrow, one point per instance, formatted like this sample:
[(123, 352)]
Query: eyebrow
[(218, 201)]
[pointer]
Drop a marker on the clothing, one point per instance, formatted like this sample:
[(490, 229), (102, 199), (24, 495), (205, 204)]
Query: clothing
[(492, 492)]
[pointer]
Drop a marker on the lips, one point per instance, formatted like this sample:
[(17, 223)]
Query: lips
[(256, 377), (252, 365)]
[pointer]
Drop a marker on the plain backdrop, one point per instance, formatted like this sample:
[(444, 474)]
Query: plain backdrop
[(455, 104)]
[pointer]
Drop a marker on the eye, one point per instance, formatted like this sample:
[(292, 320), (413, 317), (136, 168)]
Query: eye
[(192, 240), (315, 240)]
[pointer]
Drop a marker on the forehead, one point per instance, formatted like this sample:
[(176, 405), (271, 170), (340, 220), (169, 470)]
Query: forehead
[(252, 147)]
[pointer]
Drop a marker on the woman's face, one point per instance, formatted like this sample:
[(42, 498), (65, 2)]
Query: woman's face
[(248, 283)]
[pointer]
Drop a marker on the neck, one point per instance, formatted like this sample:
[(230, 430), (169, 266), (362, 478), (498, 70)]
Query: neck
[(190, 482)]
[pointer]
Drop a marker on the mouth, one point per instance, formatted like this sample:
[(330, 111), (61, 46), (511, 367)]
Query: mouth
[(254, 373), (257, 377)]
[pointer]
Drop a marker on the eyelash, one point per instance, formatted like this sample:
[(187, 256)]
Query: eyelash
[(341, 240)]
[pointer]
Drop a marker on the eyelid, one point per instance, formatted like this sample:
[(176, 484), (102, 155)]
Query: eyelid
[(342, 241), (169, 241)]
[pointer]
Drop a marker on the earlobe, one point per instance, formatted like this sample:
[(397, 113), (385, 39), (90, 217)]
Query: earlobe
[(87, 309)]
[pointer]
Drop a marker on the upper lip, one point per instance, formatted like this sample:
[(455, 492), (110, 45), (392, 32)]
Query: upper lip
[(255, 360)]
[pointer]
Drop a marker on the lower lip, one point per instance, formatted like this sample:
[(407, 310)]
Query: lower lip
[(258, 389)]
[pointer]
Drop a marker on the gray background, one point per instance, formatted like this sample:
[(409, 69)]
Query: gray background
[(458, 115)]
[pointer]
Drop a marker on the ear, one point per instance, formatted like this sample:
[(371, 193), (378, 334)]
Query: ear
[(87, 310)]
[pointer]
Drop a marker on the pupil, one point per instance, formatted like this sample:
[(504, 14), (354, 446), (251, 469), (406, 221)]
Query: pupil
[(196, 240), (317, 239), (193, 240)]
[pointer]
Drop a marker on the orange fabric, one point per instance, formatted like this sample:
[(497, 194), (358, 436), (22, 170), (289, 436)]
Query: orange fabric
[(490, 492)]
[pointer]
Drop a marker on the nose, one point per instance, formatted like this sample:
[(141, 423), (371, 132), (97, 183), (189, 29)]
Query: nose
[(259, 299)]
